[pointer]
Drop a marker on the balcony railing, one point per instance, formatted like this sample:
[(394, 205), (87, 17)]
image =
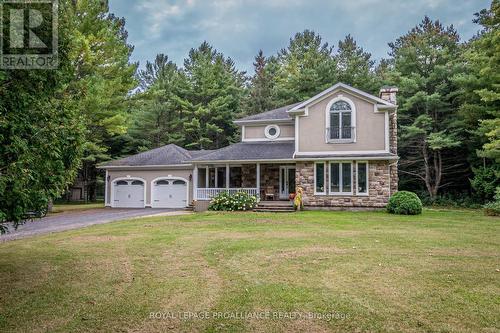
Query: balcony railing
[(209, 193), (340, 133)]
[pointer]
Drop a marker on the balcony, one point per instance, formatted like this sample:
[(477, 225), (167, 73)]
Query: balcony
[(340, 134)]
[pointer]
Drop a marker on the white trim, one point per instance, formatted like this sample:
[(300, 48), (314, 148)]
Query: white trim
[(340, 153), (324, 177), (169, 177), (128, 178), (340, 158), (353, 119), (246, 161), (341, 184), (266, 140), (296, 135), (106, 201), (386, 131), (270, 127), (367, 178), (242, 133), (195, 182), (264, 121), (298, 108), (165, 166)]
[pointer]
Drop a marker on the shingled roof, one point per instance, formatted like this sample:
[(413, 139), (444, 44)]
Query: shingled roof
[(250, 151), (167, 155), (275, 114)]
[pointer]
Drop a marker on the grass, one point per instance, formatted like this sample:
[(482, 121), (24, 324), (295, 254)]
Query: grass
[(60, 208), (375, 272)]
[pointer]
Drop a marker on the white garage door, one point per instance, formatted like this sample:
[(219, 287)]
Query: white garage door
[(129, 194), (169, 193)]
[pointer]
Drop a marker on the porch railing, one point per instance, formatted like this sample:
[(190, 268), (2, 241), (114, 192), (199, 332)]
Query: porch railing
[(209, 193)]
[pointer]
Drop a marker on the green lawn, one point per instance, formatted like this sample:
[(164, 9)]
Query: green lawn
[(373, 271)]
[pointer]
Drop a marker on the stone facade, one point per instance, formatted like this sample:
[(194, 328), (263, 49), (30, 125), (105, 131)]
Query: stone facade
[(248, 175), (269, 176), (378, 189)]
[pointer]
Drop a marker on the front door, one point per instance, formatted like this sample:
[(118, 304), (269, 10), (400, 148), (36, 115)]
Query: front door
[(287, 181)]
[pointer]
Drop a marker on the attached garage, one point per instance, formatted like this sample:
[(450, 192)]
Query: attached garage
[(128, 193), (158, 178), (169, 193)]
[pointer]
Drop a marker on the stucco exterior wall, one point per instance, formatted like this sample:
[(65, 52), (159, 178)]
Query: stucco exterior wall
[(258, 132), (370, 127), (378, 187), (149, 176)]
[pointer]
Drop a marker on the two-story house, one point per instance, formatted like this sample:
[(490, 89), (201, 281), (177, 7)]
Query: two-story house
[(340, 146)]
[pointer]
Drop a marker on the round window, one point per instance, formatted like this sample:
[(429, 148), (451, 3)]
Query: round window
[(272, 131)]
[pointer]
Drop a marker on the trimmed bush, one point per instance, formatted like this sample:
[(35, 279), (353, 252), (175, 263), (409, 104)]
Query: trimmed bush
[(232, 202), (404, 203)]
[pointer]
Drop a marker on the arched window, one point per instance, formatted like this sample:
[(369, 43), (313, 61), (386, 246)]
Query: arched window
[(137, 182), (162, 182), (341, 125), (121, 182), (179, 182)]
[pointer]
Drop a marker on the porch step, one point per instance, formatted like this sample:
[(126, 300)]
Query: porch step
[(275, 206)]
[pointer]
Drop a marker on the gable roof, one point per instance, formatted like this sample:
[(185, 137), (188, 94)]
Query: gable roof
[(250, 151), (167, 155), (275, 114), (383, 103)]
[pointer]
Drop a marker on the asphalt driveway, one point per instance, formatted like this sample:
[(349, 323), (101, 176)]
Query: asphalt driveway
[(79, 219)]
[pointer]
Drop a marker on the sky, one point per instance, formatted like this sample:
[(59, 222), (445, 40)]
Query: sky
[(239, 28)]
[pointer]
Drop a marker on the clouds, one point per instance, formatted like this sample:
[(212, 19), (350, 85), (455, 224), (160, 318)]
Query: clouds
[(239, 28)]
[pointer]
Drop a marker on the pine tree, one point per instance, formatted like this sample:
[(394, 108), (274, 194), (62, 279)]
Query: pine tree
[(429, 137), (216, 89), (259, 97), (355, 66), (305, 68), (160, 109), (480, 97)]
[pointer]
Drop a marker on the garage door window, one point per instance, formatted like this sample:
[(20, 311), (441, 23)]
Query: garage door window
[(137, 182), (121, 182), (179, 182), (162, 182)]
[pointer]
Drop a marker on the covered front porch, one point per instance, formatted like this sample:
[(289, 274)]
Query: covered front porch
[(268, 181)]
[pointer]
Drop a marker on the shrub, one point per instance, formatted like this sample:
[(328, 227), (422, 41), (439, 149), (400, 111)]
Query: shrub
[(451, 199), (404, 203), (231, 202), (493, 208)]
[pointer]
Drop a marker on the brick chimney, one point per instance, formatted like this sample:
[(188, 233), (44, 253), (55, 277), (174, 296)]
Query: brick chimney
[(388, 93)]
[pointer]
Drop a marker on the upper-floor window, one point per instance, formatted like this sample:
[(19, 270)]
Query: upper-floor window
[(341, 122)]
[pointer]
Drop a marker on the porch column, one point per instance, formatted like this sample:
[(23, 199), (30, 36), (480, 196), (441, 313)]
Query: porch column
[(216, 174), (258, 179), (227, 176), (206, 177), (195, 182)]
